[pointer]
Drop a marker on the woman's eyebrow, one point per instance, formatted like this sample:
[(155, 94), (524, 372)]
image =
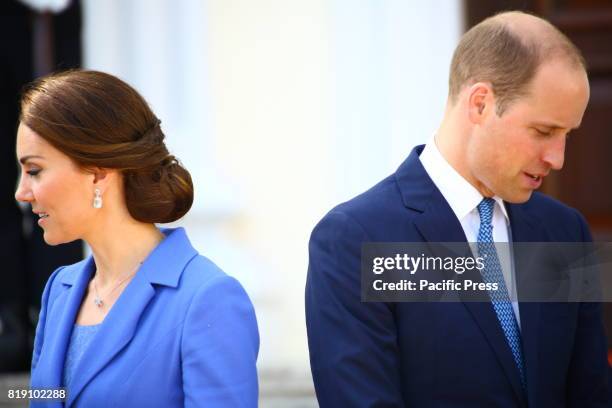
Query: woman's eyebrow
[(24, 159)]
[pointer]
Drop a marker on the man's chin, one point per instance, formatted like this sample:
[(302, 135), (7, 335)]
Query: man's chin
[(517, 197)]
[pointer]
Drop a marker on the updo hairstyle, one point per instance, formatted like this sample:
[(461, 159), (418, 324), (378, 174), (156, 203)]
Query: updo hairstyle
[(98, 120)]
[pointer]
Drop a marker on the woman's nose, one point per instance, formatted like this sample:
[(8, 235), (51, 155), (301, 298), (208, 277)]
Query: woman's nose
[(23, 192)]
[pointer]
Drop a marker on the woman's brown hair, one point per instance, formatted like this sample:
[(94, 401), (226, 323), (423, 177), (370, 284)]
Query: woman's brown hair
[(98, 120)]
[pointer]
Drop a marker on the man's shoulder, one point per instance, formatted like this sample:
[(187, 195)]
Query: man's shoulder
[(382, 194), (378, 213), (562, 222), (546, 207)]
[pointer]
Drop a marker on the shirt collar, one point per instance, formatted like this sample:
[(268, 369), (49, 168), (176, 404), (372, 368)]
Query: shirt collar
[(462, 197)]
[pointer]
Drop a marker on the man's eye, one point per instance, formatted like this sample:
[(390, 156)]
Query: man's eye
[(33, 172), (543, 132)]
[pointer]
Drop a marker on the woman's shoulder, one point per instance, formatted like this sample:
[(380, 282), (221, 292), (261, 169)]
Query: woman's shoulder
[(192, 269), (215, 296), (201, 273), (66, 274), (69, 273)]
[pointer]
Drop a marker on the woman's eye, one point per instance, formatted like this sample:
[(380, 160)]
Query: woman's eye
[(33, 172)]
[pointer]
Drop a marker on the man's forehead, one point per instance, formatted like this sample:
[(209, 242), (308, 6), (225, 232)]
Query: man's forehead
[(558, 96)]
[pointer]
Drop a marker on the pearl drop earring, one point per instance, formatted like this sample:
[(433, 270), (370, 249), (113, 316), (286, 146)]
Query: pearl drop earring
[(97, 202)]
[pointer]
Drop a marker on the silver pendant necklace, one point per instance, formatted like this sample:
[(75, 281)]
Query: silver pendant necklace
[(98, 301)]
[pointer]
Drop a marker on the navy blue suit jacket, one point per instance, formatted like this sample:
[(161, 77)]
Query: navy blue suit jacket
[(441, 354), (182, 334)]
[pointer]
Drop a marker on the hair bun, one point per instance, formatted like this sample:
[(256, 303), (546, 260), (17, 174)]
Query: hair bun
[(161, 194), (100, 121)]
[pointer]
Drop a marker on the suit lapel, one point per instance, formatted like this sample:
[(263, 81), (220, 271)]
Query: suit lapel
[(437, 223), (526, 228)]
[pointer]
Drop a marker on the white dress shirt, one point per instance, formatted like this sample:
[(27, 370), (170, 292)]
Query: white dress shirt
[(463, 199), (54, 6)]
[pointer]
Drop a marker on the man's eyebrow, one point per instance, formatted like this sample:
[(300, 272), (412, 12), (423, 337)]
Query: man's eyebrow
[(24, 159), (553, 125)]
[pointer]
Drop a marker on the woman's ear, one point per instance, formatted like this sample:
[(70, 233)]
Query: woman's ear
[(102, 177)]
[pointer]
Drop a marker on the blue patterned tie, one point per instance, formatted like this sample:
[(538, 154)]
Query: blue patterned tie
[(492, 273)]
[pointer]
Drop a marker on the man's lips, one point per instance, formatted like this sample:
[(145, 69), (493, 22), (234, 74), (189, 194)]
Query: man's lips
[(534, 179), (535, 176)]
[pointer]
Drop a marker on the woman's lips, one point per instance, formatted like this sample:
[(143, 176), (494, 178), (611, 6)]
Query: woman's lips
[(42, 218)]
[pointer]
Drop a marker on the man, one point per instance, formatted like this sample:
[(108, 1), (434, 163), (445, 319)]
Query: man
[(517, 88)]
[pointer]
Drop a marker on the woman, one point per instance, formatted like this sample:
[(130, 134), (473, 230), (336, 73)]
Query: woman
[(145, 321)]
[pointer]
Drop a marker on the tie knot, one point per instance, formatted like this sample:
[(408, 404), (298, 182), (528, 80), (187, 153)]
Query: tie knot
[(485, 209)]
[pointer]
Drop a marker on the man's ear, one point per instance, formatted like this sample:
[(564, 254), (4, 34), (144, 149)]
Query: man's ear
[(480, 102)]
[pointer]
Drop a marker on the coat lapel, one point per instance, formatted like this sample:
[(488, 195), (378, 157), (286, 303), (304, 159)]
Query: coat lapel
[(526, 228), (116, 331), (163, 266), (60, 319), (437, 223)]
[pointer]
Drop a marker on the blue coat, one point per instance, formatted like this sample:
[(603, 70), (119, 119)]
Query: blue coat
[(435, 355), (182, 333)]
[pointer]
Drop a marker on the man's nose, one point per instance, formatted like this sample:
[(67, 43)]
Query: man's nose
[(554, 152)]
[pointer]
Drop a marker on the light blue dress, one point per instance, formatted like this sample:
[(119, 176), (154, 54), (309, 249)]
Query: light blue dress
[(79, 341)]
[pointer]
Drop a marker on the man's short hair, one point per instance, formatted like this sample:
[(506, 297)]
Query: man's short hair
[(493, 52)]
